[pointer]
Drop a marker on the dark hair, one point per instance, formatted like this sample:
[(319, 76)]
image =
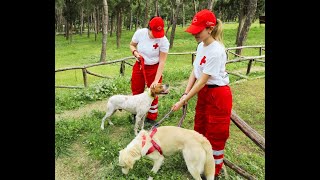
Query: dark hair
[(150, 20)]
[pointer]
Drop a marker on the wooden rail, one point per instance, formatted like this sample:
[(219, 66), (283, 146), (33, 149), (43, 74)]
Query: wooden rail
[(122, 62)]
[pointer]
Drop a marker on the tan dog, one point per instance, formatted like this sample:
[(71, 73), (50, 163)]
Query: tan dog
[(136, 104), (165, 141)]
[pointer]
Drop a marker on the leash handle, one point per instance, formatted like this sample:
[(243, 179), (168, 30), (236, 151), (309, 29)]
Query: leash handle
[(184, 112)]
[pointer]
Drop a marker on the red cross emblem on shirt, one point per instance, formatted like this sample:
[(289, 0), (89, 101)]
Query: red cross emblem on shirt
[(203, 60), (155, 46)]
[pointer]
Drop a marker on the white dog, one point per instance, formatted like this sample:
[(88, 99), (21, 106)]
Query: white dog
[(136, 104), (165, 141)]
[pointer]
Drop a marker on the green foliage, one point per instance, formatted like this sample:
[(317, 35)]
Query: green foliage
[(98, 91)]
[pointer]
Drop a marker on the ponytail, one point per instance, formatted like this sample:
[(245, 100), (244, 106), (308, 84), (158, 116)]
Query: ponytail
[(217, 32)]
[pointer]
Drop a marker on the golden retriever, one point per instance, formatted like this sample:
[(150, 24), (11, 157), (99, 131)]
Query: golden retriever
[(165, 141)]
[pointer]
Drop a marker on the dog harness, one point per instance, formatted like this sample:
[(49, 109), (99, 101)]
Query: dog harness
[(154, 146)]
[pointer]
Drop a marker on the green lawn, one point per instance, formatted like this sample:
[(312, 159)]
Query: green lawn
[(83, 151)]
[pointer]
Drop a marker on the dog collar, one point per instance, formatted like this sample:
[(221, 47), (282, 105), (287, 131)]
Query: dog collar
[(154, 146), (149, 93)]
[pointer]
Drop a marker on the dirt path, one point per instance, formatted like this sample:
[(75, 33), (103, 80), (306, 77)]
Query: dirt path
[(98, 105)]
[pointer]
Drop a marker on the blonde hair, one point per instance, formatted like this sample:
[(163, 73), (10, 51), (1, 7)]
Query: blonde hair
[(217, 32)]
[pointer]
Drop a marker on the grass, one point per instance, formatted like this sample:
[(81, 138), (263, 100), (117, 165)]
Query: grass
[(83, 151)]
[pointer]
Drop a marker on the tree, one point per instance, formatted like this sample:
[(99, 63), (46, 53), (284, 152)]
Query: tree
[(174, 24), (104, 31), (210, 4), (247, 12)]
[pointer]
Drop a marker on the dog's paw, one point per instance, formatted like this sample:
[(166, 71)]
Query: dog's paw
[(110, 123), (150, 178), (102, 128)]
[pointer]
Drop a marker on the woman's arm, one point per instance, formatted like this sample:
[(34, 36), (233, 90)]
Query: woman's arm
[(133, 47), (191, 81), (162, 61), (195, 89)]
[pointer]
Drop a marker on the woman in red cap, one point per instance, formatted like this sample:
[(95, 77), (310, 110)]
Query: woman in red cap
[(209, 80), (151, 46)]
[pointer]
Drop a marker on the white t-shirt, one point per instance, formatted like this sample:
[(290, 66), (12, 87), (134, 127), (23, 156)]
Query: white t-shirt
[(211, 60), (150, 48)]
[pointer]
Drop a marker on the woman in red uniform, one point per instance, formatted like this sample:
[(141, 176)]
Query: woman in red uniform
[(209, 80), (152, 45)]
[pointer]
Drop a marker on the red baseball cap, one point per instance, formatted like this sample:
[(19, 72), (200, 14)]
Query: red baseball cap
[(204, 18), (156, 25)]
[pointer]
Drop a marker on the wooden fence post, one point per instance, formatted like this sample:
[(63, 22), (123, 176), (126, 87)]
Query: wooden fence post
[(192, 58), (260, 51), (249, 66), (122, 68), (84, 73)]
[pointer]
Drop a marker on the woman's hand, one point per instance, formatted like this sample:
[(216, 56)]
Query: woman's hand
[(178, 105), (153, 84), (137, 55)]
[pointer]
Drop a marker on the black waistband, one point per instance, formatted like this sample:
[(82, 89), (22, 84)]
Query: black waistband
[(212, 85)]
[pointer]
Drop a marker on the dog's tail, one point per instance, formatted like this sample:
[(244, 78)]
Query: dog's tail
[(209, 165)]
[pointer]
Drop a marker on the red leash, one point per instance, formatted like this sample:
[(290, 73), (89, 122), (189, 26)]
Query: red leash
[(141, 60)]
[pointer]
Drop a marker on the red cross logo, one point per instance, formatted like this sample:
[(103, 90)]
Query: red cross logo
[(155, 46), (203, 60), (194, 19)]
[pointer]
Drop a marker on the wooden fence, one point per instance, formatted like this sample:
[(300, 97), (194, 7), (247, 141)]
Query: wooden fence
[(123, 61)]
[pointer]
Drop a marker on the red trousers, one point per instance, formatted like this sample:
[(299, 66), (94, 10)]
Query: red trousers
[(138, 85), (212, 119)]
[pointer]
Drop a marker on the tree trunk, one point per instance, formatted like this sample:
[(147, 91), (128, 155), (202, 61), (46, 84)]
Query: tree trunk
[(183, 16), (242, 17), (195, 6), (111, 24), (120, 24), (138, 15), (98, 19), (252, 6), (131, 17), (210, 4), (81, 22), (170, 20), (70, 32), (174, 24), (156, 13), (104, 31), (146, 14), (88, 33), (118, 27), (95, 24), (67, 30)]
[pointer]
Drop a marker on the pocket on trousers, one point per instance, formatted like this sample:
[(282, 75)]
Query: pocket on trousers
[(218, 128)]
